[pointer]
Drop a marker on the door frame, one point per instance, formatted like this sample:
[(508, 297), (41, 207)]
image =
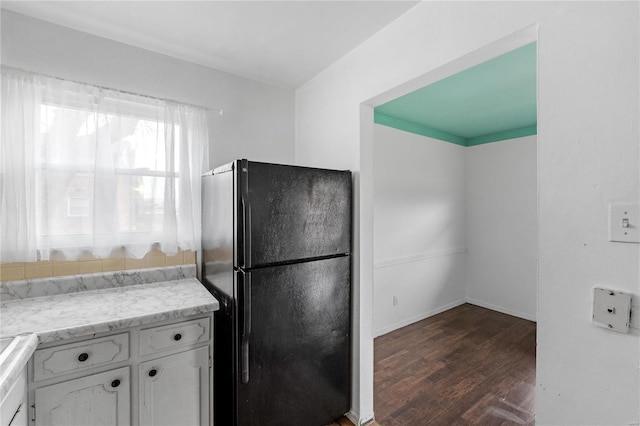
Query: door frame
[(363, 205)]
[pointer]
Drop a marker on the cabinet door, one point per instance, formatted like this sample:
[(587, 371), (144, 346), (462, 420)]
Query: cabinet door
[(174, 390), (98, 399), (13, 408)]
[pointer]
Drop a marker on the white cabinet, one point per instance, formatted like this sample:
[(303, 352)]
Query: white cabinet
[(174, 390), (13, 407), (157, 339), (99, 399), (157, 374), (83, 355)]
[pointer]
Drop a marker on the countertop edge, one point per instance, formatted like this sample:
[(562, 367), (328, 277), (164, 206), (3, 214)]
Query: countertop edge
[(49, 336), (12, 367)]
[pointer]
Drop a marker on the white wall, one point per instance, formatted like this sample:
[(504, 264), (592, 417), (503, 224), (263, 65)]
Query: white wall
[(502, 198), (258, 120), (419, 229), (434, 202), (588, 122)]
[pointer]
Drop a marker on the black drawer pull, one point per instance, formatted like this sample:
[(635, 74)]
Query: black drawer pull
[(115, 383), (153, 372), (177, 337), (83, 357)]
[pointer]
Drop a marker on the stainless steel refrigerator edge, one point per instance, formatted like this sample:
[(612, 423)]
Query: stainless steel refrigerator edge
[(276, 254)]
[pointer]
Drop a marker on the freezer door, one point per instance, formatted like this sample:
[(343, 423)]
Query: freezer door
[(295, 351), (287, 213)]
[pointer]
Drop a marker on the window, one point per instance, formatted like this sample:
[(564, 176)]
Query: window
[(78, 206), (103, 170)]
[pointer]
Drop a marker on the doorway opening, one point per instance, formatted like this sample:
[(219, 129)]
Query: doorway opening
[(454, 183)]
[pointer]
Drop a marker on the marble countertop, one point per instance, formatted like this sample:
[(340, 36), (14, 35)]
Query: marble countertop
[(54, 317), (13, 359), (85, 313)]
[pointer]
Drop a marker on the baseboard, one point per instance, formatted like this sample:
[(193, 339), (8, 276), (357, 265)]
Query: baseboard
[(417, 318), (356, 420), (501, 309), (408, 321)]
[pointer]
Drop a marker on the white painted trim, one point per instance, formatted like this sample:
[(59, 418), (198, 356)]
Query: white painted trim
[(418, 257), (499, 47), (501, 309), (358, 421), (409, 321), (417, 318)]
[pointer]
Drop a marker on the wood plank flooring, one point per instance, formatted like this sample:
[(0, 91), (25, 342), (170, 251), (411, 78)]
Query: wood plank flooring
[(465, 366)]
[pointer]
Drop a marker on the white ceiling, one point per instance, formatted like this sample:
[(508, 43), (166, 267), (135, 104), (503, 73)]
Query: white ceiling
[(281, 42)]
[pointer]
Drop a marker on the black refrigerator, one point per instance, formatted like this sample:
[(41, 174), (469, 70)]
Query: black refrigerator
[(276, 254)]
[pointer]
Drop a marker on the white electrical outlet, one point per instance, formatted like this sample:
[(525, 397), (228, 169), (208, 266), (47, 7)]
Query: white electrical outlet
[(612, 309)]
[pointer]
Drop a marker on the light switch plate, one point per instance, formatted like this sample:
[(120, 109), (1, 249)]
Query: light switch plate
[(612, 309), (624, 223)]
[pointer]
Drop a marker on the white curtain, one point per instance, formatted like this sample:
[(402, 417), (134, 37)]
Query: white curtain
[(86, 169)]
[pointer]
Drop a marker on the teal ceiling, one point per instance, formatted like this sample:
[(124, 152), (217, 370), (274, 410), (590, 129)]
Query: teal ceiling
[(492, 101)]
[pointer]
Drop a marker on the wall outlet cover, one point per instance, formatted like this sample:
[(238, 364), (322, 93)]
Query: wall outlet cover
[(612, 309)]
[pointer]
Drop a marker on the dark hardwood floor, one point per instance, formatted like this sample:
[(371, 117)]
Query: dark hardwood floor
[(344, 421), (465, 366)]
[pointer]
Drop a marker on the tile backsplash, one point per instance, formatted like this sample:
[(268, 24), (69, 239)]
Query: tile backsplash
[(52, 286), (88, 265)]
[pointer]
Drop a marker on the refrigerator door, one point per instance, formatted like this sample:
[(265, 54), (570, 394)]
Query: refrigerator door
[(295, 352), (287, 213)]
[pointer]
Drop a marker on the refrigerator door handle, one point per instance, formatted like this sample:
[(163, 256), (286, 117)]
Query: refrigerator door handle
[(246, 232), (246, 215), (246, 327)]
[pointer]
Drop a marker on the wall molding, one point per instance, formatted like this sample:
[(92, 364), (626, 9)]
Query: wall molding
[(357, 420), (422, 130), (418, 129), (501, 309), (425, 315), (520, 132), (385, 263)]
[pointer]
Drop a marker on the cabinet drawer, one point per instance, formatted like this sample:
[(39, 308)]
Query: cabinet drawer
[(63, 359), (158, 339)]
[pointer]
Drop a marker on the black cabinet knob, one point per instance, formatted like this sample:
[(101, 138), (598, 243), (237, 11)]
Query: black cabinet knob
[(115, 383), (83, 357), (153, 372), (177, 337)]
